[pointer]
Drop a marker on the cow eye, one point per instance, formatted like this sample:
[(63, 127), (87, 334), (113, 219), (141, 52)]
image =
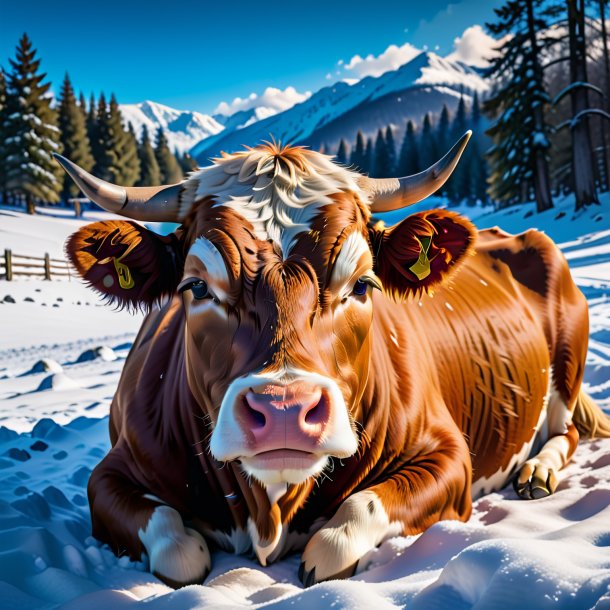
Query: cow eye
[(198, 287), (200, 290), (360, 288)]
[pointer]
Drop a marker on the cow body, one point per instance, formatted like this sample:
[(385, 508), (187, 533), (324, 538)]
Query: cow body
[(279, 403)]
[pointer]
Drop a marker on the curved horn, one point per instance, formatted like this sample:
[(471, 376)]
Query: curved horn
[(387, 194), (152, 203)]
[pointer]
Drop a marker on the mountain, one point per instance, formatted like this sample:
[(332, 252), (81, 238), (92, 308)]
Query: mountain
[(182, 128), (338, 111)]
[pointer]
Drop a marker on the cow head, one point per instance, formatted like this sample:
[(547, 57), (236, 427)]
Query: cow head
[(278, 265)]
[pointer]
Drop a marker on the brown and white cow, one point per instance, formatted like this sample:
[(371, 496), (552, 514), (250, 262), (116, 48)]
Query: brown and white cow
[(308, 379)]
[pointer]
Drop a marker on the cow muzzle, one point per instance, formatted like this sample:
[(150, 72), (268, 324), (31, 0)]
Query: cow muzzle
[(283, 430)]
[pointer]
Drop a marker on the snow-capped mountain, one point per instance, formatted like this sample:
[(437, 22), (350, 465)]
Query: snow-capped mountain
[(338, 111), (182, 128)]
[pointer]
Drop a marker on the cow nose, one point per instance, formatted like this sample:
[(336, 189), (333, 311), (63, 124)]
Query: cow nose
[(278, 417)]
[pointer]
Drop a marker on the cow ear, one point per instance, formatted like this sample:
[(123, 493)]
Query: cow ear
[(130, 265), (421, 251)]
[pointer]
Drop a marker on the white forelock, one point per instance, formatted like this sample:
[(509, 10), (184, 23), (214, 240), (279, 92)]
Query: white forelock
[(279, 194)]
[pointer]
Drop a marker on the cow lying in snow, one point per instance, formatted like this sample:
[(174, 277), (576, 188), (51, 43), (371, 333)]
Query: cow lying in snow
[(309, 380)]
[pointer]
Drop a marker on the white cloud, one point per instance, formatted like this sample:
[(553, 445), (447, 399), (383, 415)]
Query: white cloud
[(391, 59), (272, 99), (474, 47)]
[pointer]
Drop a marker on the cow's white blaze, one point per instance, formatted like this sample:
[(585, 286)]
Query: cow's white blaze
[(354, 248), (278, 195), (212, 260), (228, 441)]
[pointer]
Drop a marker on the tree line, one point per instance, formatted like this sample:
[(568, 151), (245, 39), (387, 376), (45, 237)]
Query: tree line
[(551, 87), (424, 144), (92, 134)]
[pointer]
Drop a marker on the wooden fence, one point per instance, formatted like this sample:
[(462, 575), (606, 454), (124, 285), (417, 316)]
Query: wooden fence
[(14, 265)]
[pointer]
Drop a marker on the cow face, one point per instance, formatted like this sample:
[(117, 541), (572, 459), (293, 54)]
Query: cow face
[(277, 266)]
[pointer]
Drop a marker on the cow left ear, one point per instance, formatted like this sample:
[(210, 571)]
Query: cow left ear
[(130, 265), (420, 252)]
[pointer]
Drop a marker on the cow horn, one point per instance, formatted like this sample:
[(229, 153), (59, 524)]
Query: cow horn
[(152, 203), (387, 194)]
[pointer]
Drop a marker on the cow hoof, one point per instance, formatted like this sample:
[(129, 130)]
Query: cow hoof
[(535, 481), (178, 555), (359, 525)]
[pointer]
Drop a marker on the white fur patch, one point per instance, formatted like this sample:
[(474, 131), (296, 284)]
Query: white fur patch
[(346, 263), (278, 196), (177, 553), (264, 550), (360, 524), (237, 541), (228, 441), (211, 258)]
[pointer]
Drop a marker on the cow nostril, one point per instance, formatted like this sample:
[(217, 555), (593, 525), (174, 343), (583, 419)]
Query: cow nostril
[(257, 419), (318, 413)]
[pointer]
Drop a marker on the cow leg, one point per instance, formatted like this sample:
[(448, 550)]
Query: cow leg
[(429, 488), (538, 476), (133, 522)]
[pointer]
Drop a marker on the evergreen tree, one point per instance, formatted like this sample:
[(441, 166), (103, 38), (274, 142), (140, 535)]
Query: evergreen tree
[(129, 157), (381, 158), (478, 164), (367, 162), (74, 139), (518, 156), (427, 145), (91, 122), (187, 164), (357, 156), (341, 156), (170, 170), (2, 134), (31, 133), (444, 129), (150, 174), (408, 162), (391, 152), (458, 186)]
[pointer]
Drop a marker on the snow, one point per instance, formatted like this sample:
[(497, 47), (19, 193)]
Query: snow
[(59, 366), (182, 128)]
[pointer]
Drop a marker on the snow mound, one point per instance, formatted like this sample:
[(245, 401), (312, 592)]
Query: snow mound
[(102, 352), (57, 382), (46, 365)]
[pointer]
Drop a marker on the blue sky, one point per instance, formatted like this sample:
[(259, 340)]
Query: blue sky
[(194, 55)]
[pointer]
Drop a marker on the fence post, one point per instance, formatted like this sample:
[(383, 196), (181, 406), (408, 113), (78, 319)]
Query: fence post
[(8, 264), (47, 266)]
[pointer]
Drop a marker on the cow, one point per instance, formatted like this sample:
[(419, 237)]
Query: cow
[(309, 379)]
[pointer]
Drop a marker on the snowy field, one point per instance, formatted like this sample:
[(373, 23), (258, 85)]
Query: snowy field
[(61, 354)]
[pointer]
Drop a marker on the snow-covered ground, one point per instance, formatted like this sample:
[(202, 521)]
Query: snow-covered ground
[(60, 357)]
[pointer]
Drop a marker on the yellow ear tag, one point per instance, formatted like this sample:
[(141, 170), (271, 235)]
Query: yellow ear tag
[(124, 274), (421, 268)]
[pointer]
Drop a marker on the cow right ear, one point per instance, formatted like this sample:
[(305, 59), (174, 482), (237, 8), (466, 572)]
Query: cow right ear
[(130, 265)]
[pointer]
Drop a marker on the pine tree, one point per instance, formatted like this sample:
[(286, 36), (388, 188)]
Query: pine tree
[(150, 174), (408, 161), (74, 139), (367, 162), (30, 130), (391, 152), (583, 163), (129, 157), (444, 129), (2, 134), (520, 134), (427, 146), (458, 186), (170, 170), (341, 156), (381, 158), (91, 122), (187, 164), (357, 157), (478, 164)]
